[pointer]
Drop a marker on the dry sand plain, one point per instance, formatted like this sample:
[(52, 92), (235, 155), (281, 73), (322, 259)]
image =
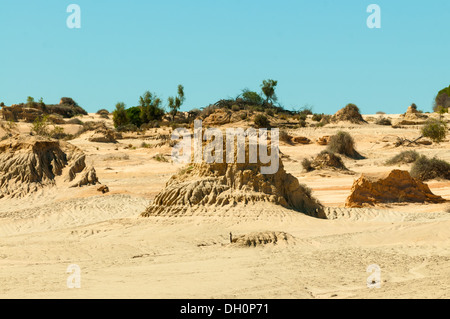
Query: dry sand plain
[(122, 255)]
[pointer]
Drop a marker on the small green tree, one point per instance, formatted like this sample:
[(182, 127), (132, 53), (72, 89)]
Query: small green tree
[(30, 102), (176, 102), (120, 117), (252, 97), (40, 126), (435, 129), (268, 88), (150, 107), (442, 100)]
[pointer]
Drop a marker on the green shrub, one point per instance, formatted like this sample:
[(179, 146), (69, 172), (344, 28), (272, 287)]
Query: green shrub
[(261, 121), (343, 143), (160, 158), (40, 126), (134, 115), (120, 116), (435, 130), (430, 168), (406, 157), (317, 117), (302, 123), (252, 97), (58, 133)]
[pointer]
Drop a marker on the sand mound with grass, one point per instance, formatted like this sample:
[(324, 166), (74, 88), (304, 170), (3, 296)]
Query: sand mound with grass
[(412, 117), (29, 163), (263, 239), (104, 136), (350, 113), (328, 160), (394, 187), (219, 185)]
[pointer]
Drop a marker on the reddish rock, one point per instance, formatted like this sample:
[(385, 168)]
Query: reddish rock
[(324, 140), (301, 140), (394, 187)]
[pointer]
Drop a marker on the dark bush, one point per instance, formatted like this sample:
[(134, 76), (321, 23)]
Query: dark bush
[(302, 123), (261, 121), (285, 137), (235, 108), (103, 111), (430, 168), (307, 165)]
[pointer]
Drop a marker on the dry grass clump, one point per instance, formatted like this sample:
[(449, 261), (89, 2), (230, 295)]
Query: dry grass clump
[(425, 168), (405, 157), (383, 121), (343, 143)]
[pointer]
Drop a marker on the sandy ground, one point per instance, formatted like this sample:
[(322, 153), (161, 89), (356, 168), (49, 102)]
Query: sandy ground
[(124, 256)]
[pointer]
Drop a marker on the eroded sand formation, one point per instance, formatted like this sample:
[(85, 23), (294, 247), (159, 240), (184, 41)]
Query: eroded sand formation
[(28, 163), (228, 184)]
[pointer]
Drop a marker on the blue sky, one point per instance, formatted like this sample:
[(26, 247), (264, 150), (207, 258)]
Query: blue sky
[(321, 52)]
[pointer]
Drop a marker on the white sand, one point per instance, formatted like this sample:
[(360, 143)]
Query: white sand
[(124, 256)]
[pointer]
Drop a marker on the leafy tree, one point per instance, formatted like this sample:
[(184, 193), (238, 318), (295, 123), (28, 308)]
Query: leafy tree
[(42, 105), (252, 97), (268, 88), (442, 100), (176, 102), (150, 107), (120, 117)]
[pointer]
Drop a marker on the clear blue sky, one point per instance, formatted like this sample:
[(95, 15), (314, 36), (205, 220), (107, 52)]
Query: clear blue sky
[(321, 52)]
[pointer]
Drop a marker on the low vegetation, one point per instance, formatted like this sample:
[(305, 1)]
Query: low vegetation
[(435, 129), (425, 168), (261, 121), (406, 157)]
